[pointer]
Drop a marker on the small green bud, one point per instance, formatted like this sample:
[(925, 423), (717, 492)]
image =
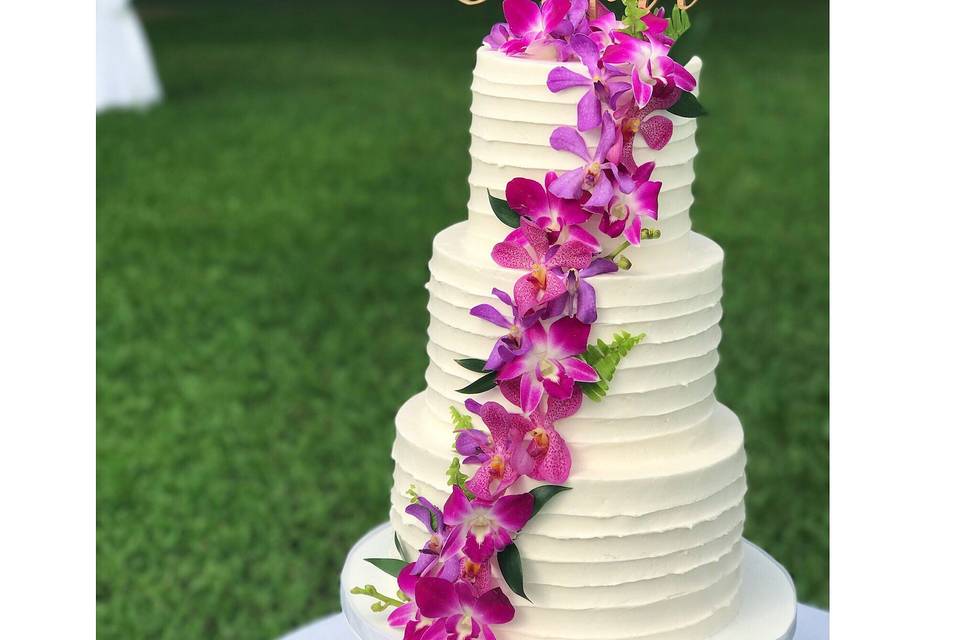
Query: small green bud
[(624, 263)]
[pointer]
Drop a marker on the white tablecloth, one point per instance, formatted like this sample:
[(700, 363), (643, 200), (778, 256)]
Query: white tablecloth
[(812, 624)]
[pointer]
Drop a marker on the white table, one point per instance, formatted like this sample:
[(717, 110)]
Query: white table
[(812, 624)]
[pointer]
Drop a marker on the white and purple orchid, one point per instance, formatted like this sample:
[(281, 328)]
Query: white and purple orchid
[(580, 299), (458, 612), (529, 248), (647, 64), (626, 211), (551, 365), (531, 29), (509, 346), (480, 528)]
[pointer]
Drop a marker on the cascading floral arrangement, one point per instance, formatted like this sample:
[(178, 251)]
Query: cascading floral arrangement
[(544, 363)]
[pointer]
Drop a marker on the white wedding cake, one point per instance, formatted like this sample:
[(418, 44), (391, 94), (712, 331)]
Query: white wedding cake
[(646, 543)]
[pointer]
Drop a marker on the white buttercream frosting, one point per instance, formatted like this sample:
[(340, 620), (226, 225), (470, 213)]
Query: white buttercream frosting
[(647, 544)]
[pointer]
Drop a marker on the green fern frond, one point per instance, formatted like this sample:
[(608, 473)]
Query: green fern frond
[(456, 478), (460, 422), (605, 358)]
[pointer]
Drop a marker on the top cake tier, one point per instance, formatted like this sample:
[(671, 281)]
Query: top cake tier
[(514, 114)]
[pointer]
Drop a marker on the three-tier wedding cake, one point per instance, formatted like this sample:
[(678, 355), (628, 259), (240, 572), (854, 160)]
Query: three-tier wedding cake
[(568, 473)]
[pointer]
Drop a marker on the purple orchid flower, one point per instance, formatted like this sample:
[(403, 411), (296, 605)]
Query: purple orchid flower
[(502, 457), (559, 217), (479, 528), (595, 176), (529, 248), (434, 559), (603, 26), (509, 346), (551, 365), (531, 29), (462, 615), (580, 299), (547, 450), (561, 78), (650, 64), (627, 210)]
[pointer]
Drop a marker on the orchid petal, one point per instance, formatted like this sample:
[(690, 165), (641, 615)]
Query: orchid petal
[(503, 296), (581, 235), (587, 50), (588, 111), (470, 442), (601, 194), (531, 392), (568, 139), (633, 229), (457, 507), (656, 131), (523, 16), (553, 11), (560, 408), (490, 314), (571, 255), (512, 512), (568, 337), (570, 184), (562, 387), (511, 256), (561, 78), (598, 266), (579, 370), (608, 135), (586, 303), (526, 197), (536, 237), (407, 580), (400, 616), (493, 607), (642, 91), (554, 465), (647, 199), (437, 598)]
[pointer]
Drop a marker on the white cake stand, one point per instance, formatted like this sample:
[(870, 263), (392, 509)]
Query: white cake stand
[(768, 609)]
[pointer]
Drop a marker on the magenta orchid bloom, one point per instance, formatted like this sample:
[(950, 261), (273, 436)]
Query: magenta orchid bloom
[(502, 456), (650, 64), (561, 78), (529, 248), (479, 528), (415, 625), (547, 450), (595, 176), (559, 217), (509, 346), (627, 210), (531, 29), (551, 365), (464, 616), (580, 299)]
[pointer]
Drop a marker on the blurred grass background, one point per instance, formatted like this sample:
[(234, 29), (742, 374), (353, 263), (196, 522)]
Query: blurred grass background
[(262, 247)]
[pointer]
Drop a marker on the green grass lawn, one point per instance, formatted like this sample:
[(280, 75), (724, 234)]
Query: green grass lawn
[(262, 247)]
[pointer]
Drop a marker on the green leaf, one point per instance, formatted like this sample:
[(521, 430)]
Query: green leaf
[(480, 385), (460, 422), (455, 478), (400, 549), (687, 106), (604, 358), (388, 565), (511, 568), (543, 494), (473, 364), (679, 24), (503, 211)]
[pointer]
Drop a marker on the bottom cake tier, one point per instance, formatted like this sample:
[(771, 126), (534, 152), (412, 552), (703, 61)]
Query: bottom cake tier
[(766, 611)]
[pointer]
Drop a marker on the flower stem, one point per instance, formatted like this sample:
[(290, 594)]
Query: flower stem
[(618, 250), (385, 601)]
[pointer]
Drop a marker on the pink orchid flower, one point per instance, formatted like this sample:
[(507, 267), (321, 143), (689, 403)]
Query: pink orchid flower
[(479, 528), (559, 217), (551, 365), (650, 64), (435, 558), (464, 615), (502, 455), (545, 448), (602, 168), (531, 29), (627, 210), (509, 346), (408, 616), (529, 248)]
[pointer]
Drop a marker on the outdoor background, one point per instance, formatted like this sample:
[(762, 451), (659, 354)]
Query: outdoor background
[(263, 238)]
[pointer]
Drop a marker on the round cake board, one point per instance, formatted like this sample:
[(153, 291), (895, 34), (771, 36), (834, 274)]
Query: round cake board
[(768, 609)]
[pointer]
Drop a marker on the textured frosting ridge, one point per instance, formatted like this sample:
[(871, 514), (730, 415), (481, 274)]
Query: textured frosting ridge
[(647, 544)]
